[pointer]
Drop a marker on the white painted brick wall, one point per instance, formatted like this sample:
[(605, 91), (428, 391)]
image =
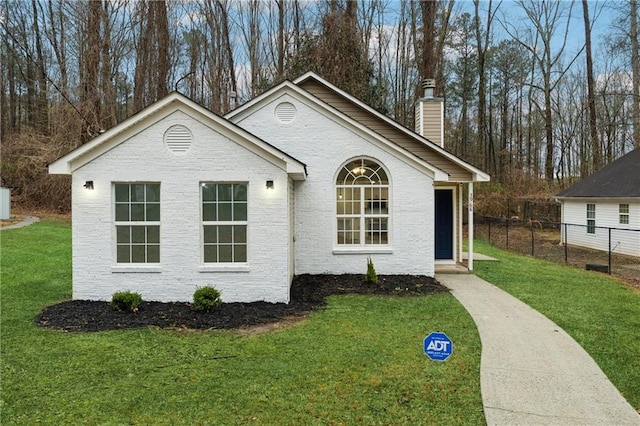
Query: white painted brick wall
[(212, 157), (324, 146)]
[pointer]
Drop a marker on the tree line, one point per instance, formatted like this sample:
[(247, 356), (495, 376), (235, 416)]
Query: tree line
[(524, 101)]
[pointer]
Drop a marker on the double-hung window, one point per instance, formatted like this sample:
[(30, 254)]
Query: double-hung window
[(137, 221), (362, 204), (224, 222), (591, 218), (624, 214)]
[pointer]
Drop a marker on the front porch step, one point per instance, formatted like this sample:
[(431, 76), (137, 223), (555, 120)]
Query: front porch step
[(452, 269)]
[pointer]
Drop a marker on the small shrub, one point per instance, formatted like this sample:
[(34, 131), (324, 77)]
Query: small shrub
[(372, 276), (206, 298), (126, 301)]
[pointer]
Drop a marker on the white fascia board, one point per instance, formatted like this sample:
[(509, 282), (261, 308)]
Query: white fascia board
[(297, 171), (161, 109), (342, 119), (292, 166), (478, 175), (96, 147), (605, 199), (242, 111)]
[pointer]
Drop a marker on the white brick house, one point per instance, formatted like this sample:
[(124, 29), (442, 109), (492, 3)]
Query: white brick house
[(303, 179)]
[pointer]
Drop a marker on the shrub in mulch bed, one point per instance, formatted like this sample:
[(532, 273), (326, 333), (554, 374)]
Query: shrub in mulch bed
[(308, 292)]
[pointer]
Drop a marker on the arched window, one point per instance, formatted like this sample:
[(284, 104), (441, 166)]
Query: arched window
[(362, 200)]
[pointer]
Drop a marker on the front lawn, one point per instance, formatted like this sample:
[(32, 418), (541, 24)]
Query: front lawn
[(360, 360), (600, 313)]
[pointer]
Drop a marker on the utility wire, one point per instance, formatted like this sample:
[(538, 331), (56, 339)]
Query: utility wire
[(30, 58)]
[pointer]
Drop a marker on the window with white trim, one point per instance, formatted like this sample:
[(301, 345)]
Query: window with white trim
[(591, 218), (624, 214), (362, 204), (224, 222), (137, 222)]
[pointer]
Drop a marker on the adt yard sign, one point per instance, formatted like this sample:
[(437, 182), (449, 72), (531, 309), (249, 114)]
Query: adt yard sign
[(438, 346)]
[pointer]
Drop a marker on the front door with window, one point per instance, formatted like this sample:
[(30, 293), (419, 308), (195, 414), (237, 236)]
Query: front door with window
[(444, 224)]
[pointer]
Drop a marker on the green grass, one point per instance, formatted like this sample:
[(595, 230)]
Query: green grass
[(600, 313), (360, 360)]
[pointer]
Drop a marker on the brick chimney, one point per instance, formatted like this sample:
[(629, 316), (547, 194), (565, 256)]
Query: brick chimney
[(430, 114)]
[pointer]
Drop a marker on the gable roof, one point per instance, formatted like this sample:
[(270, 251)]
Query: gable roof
[(377, 126), (618, 179), (457, 169), (314, 102), (155, 112)]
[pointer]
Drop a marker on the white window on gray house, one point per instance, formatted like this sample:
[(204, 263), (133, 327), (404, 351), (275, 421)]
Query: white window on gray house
[(362, 204), (624, 214), (591, 218), (224, 222), (137, 221)]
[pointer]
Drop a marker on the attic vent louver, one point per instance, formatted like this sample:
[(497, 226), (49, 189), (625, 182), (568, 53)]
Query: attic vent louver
[(178, 139), (286, 112)]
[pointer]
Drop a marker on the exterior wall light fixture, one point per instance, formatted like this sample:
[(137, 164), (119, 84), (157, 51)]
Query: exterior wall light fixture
[(270, 184), (88, 184)]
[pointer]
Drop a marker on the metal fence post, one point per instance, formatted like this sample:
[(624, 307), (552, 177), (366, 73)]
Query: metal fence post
[(532, 242), (609, 251), (507, 233), (507, 216), (566, 244)]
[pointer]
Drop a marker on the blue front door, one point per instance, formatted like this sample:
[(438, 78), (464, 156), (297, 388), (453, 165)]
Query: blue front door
[(444, 224)]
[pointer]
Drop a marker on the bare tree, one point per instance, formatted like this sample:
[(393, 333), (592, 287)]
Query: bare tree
[(508, 67), (635, 69), (39, 116), (462, 98), (249, 18), (427, 49), (401, 72), (280, 40), (152, 53), (546, 18), (57, 20), (591, 95), (90, 61), (623, 66), (483, 42)]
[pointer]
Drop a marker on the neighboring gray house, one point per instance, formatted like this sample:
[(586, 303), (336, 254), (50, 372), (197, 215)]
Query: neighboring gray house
[(302, 179), (609, 198)]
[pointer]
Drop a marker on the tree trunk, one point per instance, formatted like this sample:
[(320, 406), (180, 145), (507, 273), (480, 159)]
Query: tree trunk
[(90, 83), (591, 95), (142, 58), (428, 11), (548, 127), (162, 37), (40, 111), (635, 67), (228, 49), (482, 87), (280, 41)]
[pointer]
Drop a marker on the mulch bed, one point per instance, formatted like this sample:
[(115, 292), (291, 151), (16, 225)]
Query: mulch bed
[(308, 292)]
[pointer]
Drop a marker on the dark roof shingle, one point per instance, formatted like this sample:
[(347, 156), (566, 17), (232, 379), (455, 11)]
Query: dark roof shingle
[(618, 179)]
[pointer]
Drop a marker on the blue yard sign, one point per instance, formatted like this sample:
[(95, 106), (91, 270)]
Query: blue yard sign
[(438, 346)]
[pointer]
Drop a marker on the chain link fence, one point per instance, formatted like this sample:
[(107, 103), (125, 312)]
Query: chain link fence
[(618, 250)]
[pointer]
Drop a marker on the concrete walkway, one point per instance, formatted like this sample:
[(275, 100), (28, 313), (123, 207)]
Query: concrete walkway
[(531, 371), (26, 221)]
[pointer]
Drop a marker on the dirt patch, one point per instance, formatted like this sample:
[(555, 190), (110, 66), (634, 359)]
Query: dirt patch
[(308, 292), (13, 220)]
